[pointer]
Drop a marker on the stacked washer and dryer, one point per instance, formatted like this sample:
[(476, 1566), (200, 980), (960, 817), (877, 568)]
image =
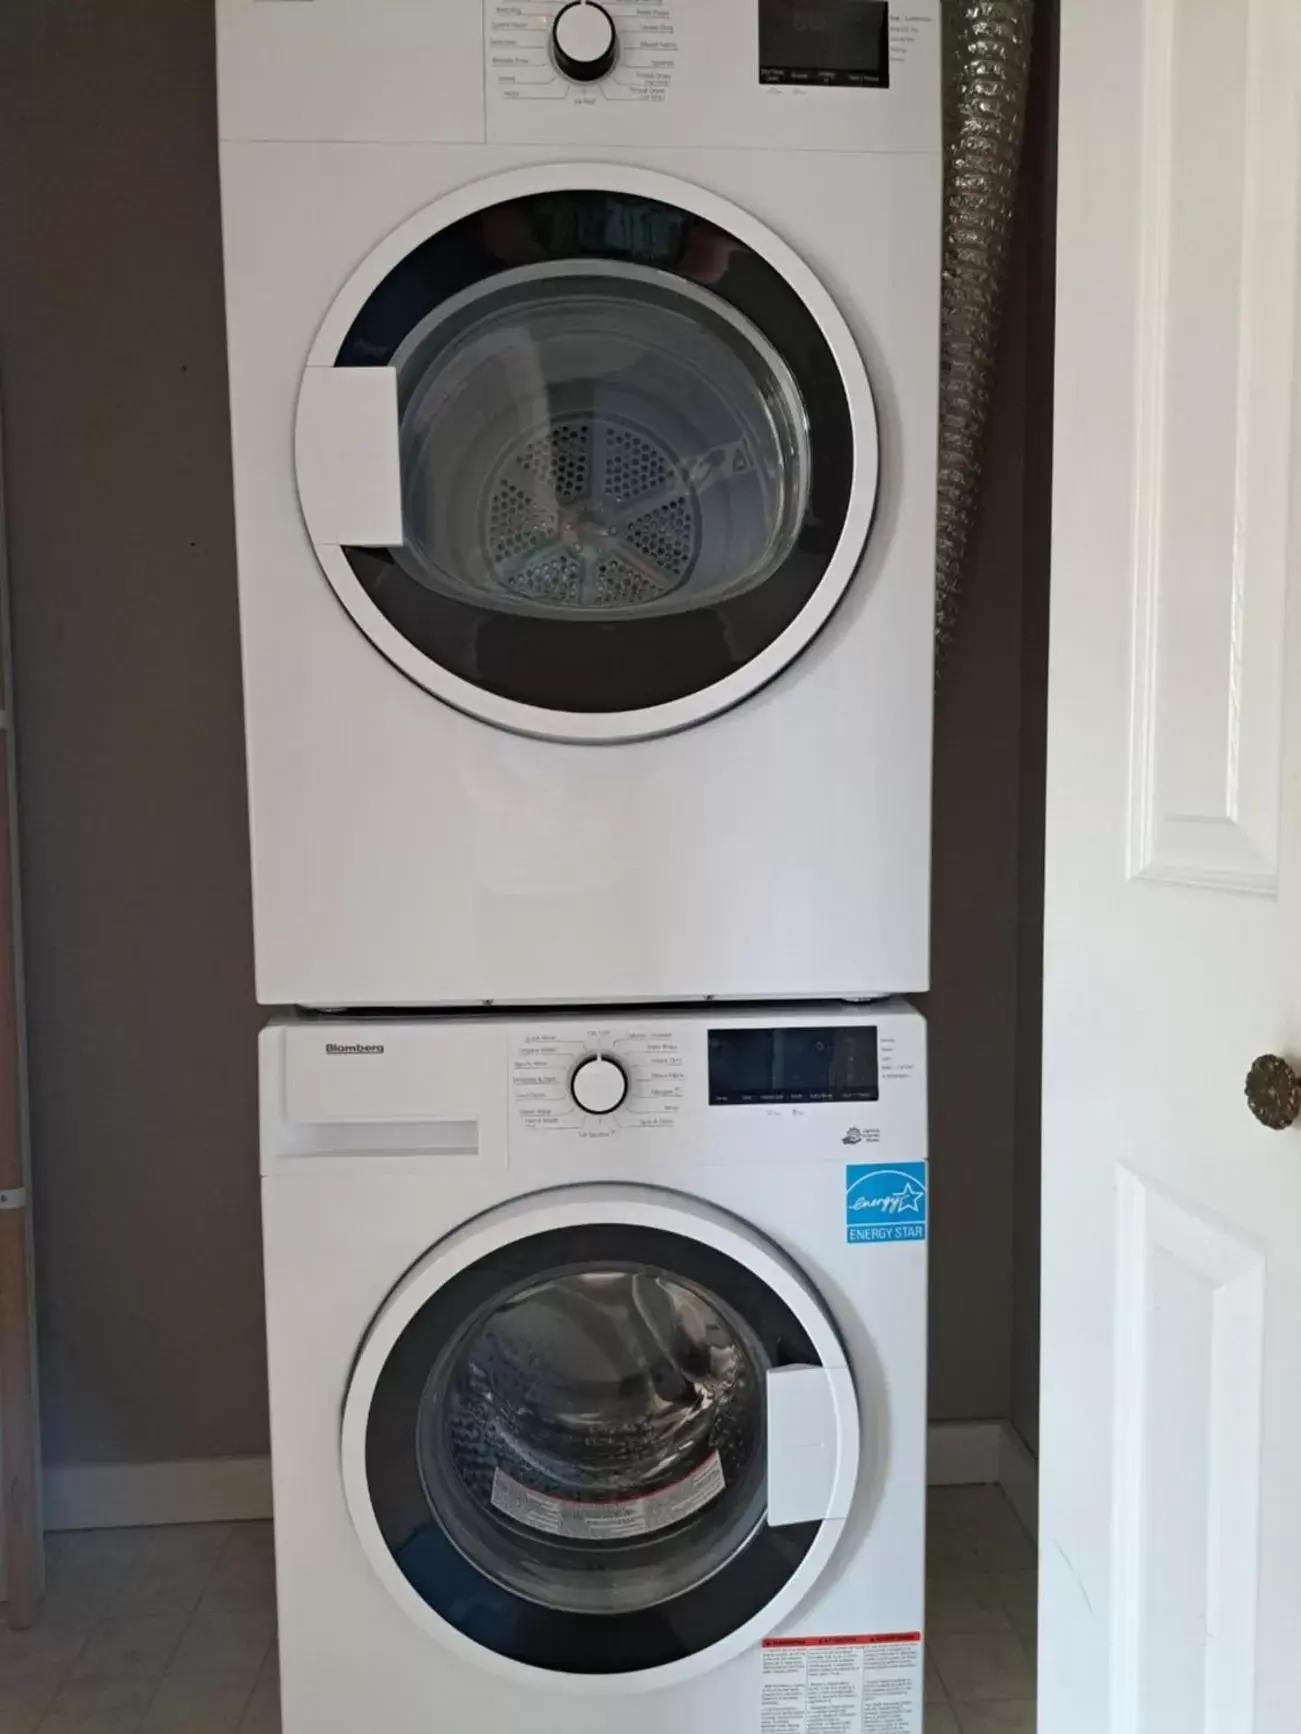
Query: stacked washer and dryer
[(583, 368)]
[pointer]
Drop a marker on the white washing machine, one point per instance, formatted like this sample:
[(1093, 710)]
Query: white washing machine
[(598, 1370), (583, 371)]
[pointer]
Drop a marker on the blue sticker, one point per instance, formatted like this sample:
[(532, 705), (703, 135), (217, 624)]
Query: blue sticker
[(885, 1201)]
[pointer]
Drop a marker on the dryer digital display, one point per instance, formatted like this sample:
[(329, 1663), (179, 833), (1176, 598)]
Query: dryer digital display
[(795, 1064), (825, 42)]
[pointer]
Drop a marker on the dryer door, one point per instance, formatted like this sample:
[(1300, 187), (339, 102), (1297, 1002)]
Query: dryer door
[(587, 452), (602, 1436)]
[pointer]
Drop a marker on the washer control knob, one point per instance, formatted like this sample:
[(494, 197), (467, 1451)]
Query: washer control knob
[(584, 44), (599, 1084)]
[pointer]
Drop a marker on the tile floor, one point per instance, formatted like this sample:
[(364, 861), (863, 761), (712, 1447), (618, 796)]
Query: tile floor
[(981, 1591), (172, 1631)]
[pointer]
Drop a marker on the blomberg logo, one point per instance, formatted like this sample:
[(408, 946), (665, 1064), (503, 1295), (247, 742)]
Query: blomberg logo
[(354, 1047)]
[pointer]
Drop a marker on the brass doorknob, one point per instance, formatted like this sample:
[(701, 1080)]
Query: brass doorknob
[(1273, 1092)]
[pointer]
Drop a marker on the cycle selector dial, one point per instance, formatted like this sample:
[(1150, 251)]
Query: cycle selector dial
[(599, 1084), (584, 42)]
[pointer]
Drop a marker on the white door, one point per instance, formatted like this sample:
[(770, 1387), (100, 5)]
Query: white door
[(1171, 1446)]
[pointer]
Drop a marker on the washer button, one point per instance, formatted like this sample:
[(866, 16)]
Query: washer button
[(599, 1084)]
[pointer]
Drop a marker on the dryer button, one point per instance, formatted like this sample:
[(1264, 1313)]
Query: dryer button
[(583, 41)]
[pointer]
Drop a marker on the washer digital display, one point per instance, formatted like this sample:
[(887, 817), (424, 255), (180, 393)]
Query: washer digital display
[(834, 1064), (825, 42)]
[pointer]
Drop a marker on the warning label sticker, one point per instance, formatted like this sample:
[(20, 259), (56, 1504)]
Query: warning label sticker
[(608, 1519), (852, 1685)]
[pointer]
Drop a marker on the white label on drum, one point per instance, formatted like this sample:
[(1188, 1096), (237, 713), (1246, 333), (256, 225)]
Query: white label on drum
[(608, 1519)]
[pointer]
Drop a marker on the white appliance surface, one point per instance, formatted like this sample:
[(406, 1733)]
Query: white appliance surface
[(394, 1153), (765, 837)]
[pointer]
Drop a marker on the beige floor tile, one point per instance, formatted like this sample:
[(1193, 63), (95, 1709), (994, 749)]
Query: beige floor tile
[(183, 1544), (87, 1571), (99, 1707), (51, 1647), (244, 1576), (932, 1686), (1019, 1592), (1001, 1540), (1004, 1718), (987, 1667), (226, 1640), (131, 1646), (964, 1601), (164, 1589), (93, 1555), (966, 1507), (23, 1702), (198, 1704), (263, 1713), (940, 1719), (1010, 1549), (950, 1549)]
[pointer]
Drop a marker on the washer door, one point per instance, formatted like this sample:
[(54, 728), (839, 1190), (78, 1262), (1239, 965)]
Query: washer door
[(587, 452), (605, 1436)]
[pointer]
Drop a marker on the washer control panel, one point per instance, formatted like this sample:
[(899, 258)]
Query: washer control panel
[(599, 1079), (607, 1092), (709, 1085)]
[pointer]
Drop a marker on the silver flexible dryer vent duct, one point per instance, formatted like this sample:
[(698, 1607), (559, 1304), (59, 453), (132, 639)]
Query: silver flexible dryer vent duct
[(987, 71)]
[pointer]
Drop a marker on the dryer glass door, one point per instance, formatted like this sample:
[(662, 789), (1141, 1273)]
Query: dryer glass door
[(568, 1449), (634, 476)]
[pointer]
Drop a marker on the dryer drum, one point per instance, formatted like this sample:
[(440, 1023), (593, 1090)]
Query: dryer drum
[(599, 438)]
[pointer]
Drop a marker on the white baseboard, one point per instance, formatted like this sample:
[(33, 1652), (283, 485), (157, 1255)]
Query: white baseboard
[(235, 1489), (114, 1495)]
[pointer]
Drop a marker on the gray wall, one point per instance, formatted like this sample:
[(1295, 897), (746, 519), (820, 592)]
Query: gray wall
[(140, 1000), (140, 991), (985, 1008), (973, 1002), (1039, 225)]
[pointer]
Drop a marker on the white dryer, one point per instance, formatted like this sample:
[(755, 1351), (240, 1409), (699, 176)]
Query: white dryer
[(583, 373), (598, 1370)]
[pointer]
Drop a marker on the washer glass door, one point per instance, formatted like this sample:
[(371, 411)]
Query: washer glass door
[(566, 1449), (628, 463)]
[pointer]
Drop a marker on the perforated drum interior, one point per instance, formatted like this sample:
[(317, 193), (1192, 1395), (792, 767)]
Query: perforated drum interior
[(599, 440)]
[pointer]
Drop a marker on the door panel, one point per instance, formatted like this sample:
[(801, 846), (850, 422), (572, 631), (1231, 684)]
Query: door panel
[(1171, 1483), (1217, 284)]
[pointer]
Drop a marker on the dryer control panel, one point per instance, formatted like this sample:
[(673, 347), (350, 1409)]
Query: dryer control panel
[(789, 74), (783, 75)]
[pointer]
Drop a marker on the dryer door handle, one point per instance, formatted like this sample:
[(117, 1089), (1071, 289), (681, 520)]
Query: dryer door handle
[(349, 461), (812, 1444)]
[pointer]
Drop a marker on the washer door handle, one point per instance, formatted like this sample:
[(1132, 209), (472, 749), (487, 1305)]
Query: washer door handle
[(812, 1423), (349, 461)]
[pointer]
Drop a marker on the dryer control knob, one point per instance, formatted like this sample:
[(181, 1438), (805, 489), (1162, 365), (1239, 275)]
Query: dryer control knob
[(599, 1084), (584, 43)]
